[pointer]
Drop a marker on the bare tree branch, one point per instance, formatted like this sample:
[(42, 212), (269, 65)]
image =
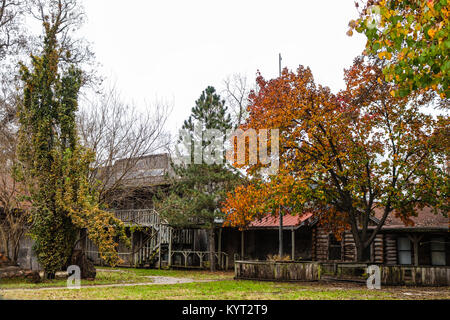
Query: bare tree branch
[(12, 33), (121, 136), (236, 94), (13, 213)]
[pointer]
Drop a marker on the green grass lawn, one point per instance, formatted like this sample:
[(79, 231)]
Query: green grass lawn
[(224, 290), (117, 276), (191, 274), (102, 278), (220, 287)]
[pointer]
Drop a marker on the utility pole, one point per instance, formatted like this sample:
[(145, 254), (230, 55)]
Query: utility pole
[(280, 239), (281, 59), (280, 252)]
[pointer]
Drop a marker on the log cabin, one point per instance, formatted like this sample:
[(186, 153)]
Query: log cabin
[(427, 243)]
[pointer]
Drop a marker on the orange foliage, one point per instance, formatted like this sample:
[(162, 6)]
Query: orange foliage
[(342, 155)]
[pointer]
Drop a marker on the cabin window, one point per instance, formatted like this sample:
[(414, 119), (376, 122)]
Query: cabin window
[(438, 252), (334, 248), (404, 251)]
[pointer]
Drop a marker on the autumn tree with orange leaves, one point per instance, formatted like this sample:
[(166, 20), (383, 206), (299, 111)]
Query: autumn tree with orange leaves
[(412, 37), (344, 155)]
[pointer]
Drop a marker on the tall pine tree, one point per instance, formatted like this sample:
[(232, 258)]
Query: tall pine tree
[(200, 187)]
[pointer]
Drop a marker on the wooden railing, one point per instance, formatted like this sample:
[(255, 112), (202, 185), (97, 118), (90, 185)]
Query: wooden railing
[(140, 217), (159, 242), (203, 256)]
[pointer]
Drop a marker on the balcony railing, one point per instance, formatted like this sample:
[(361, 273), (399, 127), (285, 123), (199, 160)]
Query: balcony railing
[(140, 217)]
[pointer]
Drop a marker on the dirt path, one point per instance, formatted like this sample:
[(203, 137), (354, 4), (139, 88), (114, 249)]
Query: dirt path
[(155, 280)]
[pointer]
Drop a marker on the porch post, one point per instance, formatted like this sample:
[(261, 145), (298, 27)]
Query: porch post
[(194, 238), (416, 252), (141, 252), (280, 235), (242, 245), (219, 249), (293, 244), (415, 239), (159, 246), (170, 247), (132, 249)]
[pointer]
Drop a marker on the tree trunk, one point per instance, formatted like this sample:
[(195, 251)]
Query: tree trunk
[(3, 242), (6, 249), (87, 268), (360, 249), (16, 248), (359, 252), (49, 275), (361, 237), (212, 249)]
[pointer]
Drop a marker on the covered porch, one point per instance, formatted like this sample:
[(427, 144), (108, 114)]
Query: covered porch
[(260, 240), (156, 244)]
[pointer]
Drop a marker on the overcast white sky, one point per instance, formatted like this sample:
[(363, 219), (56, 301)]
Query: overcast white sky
[(172, 50)]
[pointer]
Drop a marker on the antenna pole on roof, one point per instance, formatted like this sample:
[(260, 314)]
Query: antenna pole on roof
[(281, 59)]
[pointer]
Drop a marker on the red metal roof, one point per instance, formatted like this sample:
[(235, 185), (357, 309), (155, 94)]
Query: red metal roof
[(274, 222), (426, 219)]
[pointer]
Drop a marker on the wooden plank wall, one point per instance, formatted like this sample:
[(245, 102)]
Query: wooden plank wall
[(277, 271), (307, 271), (415, 276)]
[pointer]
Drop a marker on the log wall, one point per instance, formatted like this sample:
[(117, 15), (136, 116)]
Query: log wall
[(348, 244), (320, 244), (390, 250), (378, 249)]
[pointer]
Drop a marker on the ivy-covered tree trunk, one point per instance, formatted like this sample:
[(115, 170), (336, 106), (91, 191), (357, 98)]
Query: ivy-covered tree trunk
[(55, 166)]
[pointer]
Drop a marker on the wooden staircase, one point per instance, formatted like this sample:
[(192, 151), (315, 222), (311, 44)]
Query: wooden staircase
[(154, 242), (153, 247)]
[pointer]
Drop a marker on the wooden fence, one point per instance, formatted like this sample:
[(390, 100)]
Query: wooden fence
[(314, 271), (202, 257), (416, 276), (277, 271)]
